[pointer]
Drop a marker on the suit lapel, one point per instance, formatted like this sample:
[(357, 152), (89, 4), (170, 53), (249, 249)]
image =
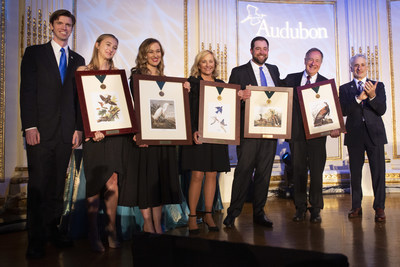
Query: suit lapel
[(353, 88), (71, 63), (273, 75), (250, 73), (319, 78), (298, 78), (51, 59)]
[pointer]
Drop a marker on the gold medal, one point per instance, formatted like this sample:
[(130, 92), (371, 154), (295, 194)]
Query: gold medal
[(219, 98), (317, 96), (269, 101), (103, 86), (161, 93)]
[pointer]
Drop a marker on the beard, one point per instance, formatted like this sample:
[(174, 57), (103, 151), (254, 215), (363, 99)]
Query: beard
[(259, 62)]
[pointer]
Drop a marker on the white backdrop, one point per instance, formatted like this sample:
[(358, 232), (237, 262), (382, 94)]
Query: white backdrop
[(132, 22)]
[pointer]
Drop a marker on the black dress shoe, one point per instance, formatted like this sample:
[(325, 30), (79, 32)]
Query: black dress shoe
[(229, 221), (315, 217), (61, 241), (35, 252), (299, 216), (263, 220), (355, 213), (380, 215)]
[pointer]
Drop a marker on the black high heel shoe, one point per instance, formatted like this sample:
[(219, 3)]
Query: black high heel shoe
[(210, 228), (193, 231)]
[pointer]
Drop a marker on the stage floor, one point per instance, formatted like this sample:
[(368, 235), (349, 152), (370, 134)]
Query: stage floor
[(363, 241)]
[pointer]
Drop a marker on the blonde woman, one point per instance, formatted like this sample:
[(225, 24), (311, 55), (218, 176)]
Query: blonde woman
[(102, 158), (204, 160)]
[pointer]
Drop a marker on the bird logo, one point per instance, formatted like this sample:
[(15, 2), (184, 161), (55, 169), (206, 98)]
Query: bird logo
[(253, 16)]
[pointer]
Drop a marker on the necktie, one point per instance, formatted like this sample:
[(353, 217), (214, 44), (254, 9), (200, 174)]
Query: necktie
[(308, 79), (63, 64), (360, 87), (262, 78)]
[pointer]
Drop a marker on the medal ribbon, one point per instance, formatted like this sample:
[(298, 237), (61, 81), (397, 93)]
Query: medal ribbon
[(219, 89), (316, 89), (101, 78), (269, 93), (160, 84)]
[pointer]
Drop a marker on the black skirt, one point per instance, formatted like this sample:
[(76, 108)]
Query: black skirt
[(152, 177), (101, 159), (206, 158)]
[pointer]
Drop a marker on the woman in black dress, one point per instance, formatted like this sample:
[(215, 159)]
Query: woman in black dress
[(202, 159), (102, 157), (154, 169)]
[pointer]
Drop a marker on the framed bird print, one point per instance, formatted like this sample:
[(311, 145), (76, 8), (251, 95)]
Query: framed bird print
[(268, 112), (320, 109), (162, 110), (106, 103), (219, 113)]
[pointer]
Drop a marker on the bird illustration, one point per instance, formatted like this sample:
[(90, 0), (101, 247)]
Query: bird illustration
[(321, 115), (107, 100), (219, 110), (215, 119), (222, 123), (160, 112)]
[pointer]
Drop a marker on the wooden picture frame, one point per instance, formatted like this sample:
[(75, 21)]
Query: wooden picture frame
[(219, 113), (105, 102), (320, 109), (268, 113), (162, 110)]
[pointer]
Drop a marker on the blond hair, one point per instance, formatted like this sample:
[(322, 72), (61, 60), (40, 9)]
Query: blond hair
[(195, 72), (94, 63)]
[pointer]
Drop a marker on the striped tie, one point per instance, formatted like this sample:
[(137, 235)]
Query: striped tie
[(308, 79), (360, 87)]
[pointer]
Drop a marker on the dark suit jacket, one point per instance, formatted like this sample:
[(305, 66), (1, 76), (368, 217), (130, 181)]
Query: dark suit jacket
[(244, 75), (45, 102), (294, 80), (371, 110)]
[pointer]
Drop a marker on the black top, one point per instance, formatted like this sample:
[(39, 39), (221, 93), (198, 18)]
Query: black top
[(204, 157)]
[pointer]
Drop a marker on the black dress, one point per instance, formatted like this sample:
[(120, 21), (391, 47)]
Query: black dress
[(204, 157), (152, 176), (101, 159)]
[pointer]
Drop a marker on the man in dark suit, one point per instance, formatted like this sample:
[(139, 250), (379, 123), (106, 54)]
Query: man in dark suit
[(363, 101), (254, 155), (52, 126), (307, 154)]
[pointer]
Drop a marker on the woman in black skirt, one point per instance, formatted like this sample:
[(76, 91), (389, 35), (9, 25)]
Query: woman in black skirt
[(202, 159), (153, 172), (103, 157)]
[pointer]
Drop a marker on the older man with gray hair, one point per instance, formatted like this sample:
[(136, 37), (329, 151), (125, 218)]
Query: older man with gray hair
[(363, 101)]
